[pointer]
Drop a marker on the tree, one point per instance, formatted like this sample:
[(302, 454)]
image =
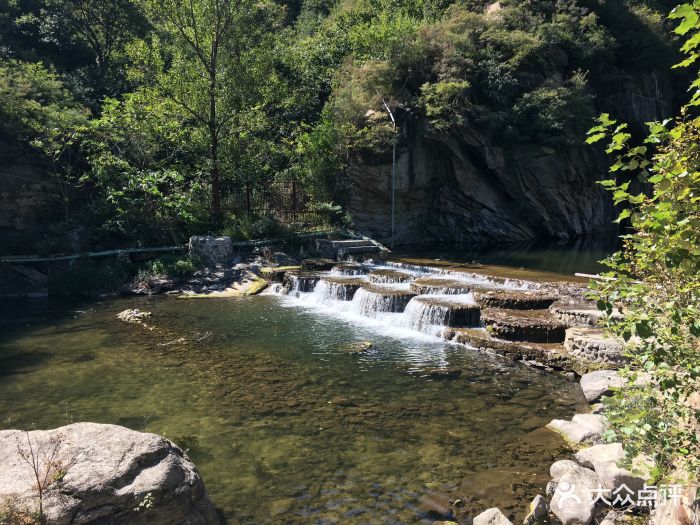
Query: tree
[(37, 111), (90, 37), (207, 56)]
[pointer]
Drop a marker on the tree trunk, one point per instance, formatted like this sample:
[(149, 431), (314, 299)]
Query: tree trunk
[(214, 148)]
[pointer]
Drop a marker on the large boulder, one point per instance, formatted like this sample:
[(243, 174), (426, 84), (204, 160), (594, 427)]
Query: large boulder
[(599, 383), (573, 500), (588, 457), (492, 516), (107, 474)]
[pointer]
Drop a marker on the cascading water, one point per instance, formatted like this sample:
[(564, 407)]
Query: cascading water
[(431, 314), (428, 304), (375, 299), (424, 317), (301, 283)]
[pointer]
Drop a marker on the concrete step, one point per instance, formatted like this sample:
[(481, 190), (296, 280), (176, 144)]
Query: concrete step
[(335, 247), (359, 249)]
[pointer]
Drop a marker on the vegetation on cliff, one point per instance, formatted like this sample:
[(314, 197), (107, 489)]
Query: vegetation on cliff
[(159, 118)]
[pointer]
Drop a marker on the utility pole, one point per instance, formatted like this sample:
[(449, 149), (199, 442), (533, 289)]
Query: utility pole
[(393, 174)]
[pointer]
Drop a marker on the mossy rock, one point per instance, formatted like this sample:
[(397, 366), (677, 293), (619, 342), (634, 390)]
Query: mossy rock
[(276, 273), (257, 286)]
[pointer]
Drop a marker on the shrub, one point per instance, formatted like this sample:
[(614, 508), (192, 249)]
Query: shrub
[(444, 103), (171, 266), (655, 277)]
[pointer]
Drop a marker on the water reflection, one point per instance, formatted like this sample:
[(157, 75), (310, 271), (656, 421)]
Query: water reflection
[(579, 255)]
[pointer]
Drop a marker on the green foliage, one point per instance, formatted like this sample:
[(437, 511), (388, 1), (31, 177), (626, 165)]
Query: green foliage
[(444, 103), (34, 104), (656, 279), (332, 214), (547, 112), (171, 266), (141, 163), (247, 227)]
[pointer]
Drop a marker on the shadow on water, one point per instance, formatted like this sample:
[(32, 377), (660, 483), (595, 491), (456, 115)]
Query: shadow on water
[(22, 363)]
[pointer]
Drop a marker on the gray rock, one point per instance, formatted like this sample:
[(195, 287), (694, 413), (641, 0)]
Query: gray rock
[(573, 501), (614, 477), (574, 433), (588, 457), (562, 467), (537, 511), (599, 383), (593, 344), (133, 315), (492, 516), (596, 422), (106, 474)]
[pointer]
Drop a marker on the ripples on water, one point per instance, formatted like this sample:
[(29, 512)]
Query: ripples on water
[(285, 422)]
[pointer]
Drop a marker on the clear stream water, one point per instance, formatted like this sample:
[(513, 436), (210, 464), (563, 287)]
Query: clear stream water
[(284, 422)]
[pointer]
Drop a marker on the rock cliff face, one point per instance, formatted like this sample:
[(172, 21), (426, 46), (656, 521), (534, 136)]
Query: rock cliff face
[(92, 473), (458, 189), (468, 186)]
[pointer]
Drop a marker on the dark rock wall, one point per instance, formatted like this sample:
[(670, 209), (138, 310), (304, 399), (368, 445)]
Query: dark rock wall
[(467, 186)]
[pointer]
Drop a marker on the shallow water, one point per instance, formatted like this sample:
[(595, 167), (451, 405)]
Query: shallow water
[(285, 423)]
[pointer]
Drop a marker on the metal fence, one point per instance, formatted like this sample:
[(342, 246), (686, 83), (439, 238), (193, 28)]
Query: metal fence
[(287, 201)]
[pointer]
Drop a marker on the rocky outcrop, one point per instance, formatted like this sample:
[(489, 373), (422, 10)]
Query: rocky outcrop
[(461, 188), (471, 185), (102, 474)]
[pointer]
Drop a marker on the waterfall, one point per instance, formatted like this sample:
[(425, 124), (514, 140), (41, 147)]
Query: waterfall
[(431, 313), (425, 317), (427, 304), (301, 283), (337, 288), (328, 291), (376, 299)]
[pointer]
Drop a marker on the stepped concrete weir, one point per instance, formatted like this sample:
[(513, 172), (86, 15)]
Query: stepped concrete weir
[(440, 285), (536, 326), (349, 268), (388, 275), (579, 313), (522, 319), (427, 311), (514, 299), (300, 281), (339, 288), (372, 299)]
